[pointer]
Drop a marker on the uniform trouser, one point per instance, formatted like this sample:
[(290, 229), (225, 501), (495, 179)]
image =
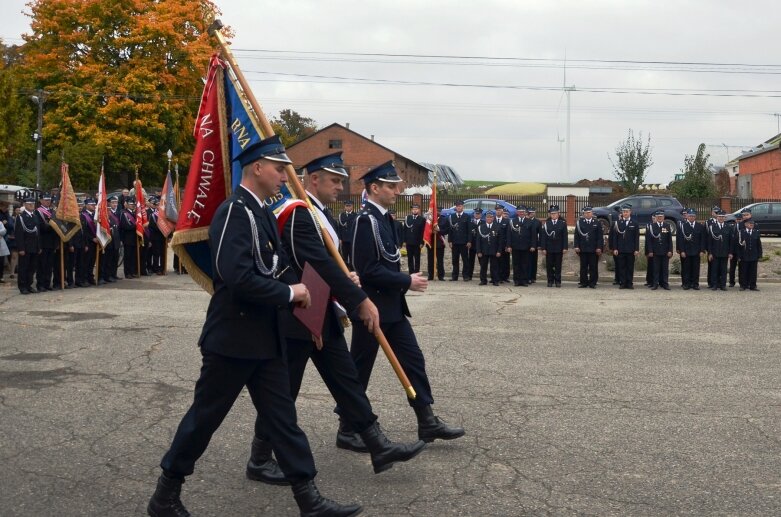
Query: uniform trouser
[(460, 257), (710, 273), (661, 265), (719, 272), (156, 256), (337, 369), (534, 257), (504, 266), (80, 264), (219, 385), (553, 266), (89, 258), (405, 345), (413, 258), (108, 263), (734, 263), (68, 266), (588, 268), (440, 262), (130, 262), (625, 268), (347, 254), (472, 258), (690, 271), (748, 274), (26, 269), (44, 270), (492, 261), (520, 267)]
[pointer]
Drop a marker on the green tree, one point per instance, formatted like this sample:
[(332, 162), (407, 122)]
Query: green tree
[(633, 159), (292, 127), (17, 149), (122, 77), (697, 181)]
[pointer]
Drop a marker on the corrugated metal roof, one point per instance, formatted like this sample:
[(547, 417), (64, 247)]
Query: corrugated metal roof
[(445, 174)]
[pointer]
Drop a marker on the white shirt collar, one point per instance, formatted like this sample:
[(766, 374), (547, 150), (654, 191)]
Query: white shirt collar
[(316, 201), (382, 210), (261, 203)]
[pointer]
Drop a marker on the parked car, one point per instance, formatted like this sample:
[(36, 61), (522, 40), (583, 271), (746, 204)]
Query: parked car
[(643, 207), (766, 215), (483, 204)]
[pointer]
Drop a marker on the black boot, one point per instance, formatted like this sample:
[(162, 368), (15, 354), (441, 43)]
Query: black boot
[(312, 504), (165, 501), (262, 467), (431, 427), (348, 439), (384, 452)]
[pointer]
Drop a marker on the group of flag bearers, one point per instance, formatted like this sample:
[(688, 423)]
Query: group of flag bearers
[(494, 238)]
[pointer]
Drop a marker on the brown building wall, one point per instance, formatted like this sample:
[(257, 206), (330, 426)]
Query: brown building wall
[(359, 155), (765, 172)]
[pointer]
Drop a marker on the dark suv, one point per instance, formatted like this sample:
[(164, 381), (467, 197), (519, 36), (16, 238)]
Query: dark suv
[(643, 207)]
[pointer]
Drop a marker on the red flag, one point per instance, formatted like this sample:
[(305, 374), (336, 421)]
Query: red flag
[(103, 228), (432, 208), (141, 219), (66, 221)]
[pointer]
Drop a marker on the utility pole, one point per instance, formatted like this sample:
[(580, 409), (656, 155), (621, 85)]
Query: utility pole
[(561, 156), (568, 90), (38, 136), (778, 122)]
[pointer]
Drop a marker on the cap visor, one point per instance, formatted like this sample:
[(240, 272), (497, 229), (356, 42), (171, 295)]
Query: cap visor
[(337, 170), (281, 157), (391, 179)]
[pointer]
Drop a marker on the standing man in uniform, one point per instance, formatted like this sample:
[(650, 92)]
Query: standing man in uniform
[(504, 260), (691, 245), (659, 249), (624, 240), (519, 241), (457, 229), (553, 243), (377, 258), (489, 243), (50, 242), (748, 246), (414, 226), (110, 262), (127, 228), (477, 218), (241, 342), (346, 229), (711, 221), (588, 243), (720, 246), (28, 243), (89, 226), (534, 250), (156, 239)]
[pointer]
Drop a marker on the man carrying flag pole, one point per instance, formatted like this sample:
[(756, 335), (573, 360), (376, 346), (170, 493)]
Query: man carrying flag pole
[(141, 224), (103, 227), (66, 221)]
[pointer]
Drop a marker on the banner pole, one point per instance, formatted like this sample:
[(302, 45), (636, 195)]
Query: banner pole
[(62, 265), (138, 256), (97, 262), (298, 190)]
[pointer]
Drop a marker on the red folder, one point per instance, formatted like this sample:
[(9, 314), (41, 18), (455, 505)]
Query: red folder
[(313, 317)]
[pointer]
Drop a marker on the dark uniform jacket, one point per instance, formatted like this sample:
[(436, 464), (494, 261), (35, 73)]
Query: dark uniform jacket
[(378, 264), (553, 237), (414, 226), (719, 240), (589, 237), (747, 247), (27, 233), (658, 239), (624, 236), (520, 234), (503, 223), (456, 227), (473, 224), (49, 238), (302, 243), (113, 222), (243, 316), (489, 240), (88, 226), (536, 228), (346, 226), (691, 240), (154, 231), (127, 227)]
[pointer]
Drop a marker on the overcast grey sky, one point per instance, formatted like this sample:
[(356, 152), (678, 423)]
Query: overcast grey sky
[(495, 130)]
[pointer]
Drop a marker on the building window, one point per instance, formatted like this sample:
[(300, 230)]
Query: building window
[(334, 144)]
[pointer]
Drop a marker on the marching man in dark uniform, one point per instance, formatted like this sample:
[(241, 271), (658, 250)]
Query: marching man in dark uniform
[(377, 262), (624, 240), (748, 246), (241, 341), (302, 242), (504, 260), (553, 243), (50, 242), (456, 228), (477, 218), (28, 243), (534, 255), (127, 227), (691, 245), (659, 249), (719, 238), (588, 243), (489, 242), (414, 225), (346, 227), (520, 241)]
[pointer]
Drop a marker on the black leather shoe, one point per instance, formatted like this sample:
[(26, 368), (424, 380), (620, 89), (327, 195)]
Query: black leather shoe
[(312, 504), (262, 467), (165, 501), (348, 439), (431, 427), (722, 288), (696, 288), (558, 284), (384, 452), (753, 289), (666, 287), (654, 288), (550, 284), (582, 286)]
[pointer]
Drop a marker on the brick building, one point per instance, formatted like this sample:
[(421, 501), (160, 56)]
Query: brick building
[(360, 154), (760, 170)]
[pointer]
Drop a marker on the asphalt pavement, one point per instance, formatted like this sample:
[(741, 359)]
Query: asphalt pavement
[(575, 401)]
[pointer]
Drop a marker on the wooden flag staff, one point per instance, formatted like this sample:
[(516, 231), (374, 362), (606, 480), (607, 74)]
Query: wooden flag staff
[(298, 190)]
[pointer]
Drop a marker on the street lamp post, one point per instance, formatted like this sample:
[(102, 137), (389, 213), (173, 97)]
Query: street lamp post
[(38, 137)]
